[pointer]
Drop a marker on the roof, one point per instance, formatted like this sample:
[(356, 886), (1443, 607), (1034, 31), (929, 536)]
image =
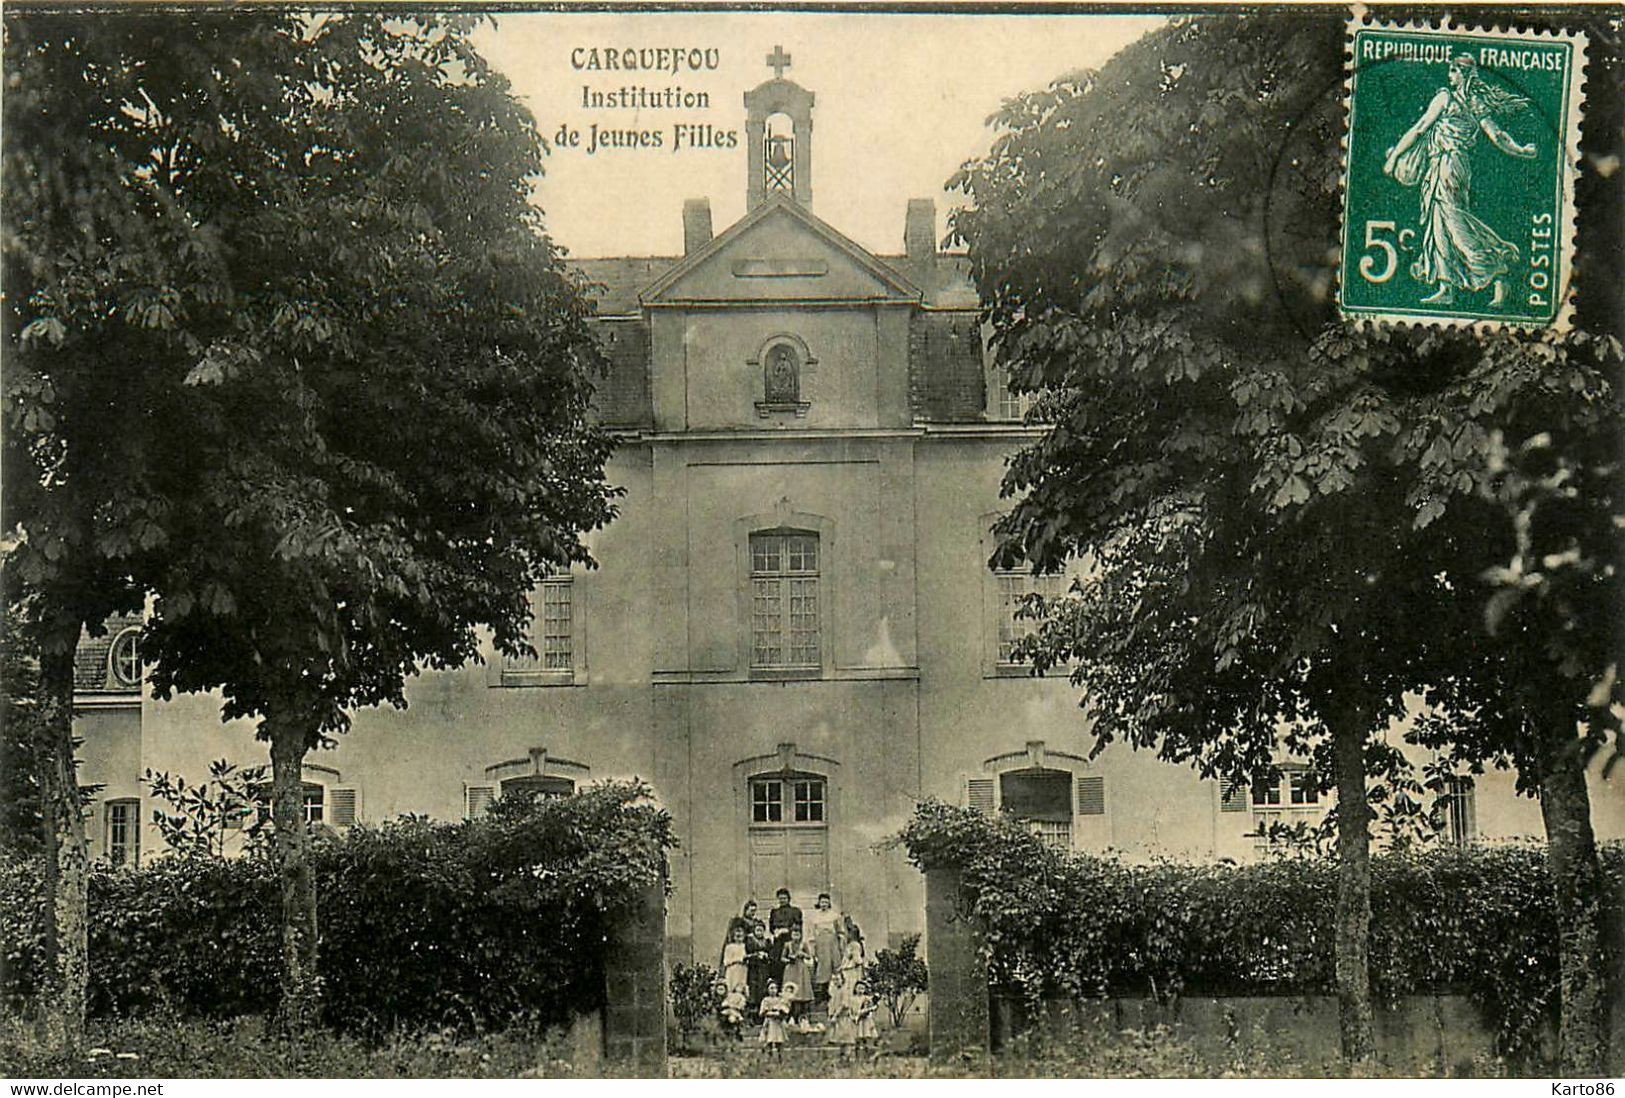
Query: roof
[(91, 670), (892, 283), (615, 282)]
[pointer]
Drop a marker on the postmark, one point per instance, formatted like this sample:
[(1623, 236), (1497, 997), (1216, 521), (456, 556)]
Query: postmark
[(1458, 175)]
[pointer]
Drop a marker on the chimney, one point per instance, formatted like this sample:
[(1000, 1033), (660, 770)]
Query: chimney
[(696, 224), (920, 230)]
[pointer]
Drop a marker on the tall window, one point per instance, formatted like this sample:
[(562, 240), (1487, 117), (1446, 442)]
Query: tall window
[(553, 634), (556, 649), (784, 612), (313, 800), (1014, 587), (124, 831), (1002, 404), (1460, 817)]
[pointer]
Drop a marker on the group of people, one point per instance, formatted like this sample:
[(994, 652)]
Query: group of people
[(782, 969)]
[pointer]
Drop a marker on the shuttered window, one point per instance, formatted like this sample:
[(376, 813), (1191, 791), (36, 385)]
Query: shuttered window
[(476, 799), (979, 794), (1091, 796), (346, 806)]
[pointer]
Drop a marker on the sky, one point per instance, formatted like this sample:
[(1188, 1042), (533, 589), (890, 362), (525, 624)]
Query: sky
[(902, 102)]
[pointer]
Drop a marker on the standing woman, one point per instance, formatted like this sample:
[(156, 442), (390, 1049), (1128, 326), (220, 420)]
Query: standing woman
[(1458, 251), (758, 961), (824, 928)]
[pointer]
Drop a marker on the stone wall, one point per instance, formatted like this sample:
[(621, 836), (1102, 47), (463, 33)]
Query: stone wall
[(958, 1009), (635, 988), (1436, 1034)]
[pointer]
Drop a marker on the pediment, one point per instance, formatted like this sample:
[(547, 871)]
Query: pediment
[(780, 253)]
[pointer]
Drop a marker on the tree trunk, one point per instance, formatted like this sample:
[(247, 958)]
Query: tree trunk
[(300, 988), (1352, 936), (1565, 807), (65, 974)]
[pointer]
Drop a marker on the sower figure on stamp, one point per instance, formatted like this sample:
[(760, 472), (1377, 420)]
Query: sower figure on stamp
[(1458, 250)]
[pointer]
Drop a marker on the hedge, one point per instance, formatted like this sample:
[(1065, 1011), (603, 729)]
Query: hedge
[(470, 925), (1476, 921)]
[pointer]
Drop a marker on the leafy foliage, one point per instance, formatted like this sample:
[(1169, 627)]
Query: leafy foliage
[(1479, 922), (1278, 508), (475, 924), (296, 263), (291, 261), (1296, 525), (20, 822), (202, 817), (897, 976), (693, 1002)]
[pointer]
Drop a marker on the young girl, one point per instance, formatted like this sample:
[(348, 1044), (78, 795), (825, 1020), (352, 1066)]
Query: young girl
[(773, 1011), (852, 964), (734, 973), (864, 1006), (843, 1024), (798, 960), (731, 1011)]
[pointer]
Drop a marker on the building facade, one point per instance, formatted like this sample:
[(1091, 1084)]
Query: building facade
[(794, 634)]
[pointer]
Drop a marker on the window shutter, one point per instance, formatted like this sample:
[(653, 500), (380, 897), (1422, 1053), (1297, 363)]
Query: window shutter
[(1091, 796), (1234, 795), (980, 795), (345, 805), (476, 799)]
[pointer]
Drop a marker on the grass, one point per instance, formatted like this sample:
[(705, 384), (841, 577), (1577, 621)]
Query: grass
[(167, 1047)]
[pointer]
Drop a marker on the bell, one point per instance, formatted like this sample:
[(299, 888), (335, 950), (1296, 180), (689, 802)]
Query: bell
[(777, 157)]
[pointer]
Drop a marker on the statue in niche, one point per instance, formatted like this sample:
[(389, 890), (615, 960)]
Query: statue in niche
[(783, 382)]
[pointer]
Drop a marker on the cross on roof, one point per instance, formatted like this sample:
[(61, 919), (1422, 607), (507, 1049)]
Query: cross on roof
[(778, 61)]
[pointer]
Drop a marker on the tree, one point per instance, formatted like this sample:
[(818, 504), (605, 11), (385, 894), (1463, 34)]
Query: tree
[(897, 976), (1289, 518), (203, 815), (285, 267)]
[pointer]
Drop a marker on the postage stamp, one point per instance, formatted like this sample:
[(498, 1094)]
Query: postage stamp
[(1458, 176)]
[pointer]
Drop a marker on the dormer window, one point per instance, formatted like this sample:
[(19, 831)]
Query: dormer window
[(124, 658)]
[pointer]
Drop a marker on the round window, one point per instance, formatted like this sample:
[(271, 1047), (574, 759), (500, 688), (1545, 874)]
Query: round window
[(125, 658)]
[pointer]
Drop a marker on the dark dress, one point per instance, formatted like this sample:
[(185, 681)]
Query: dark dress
[(780, 920), (758, 971), (776, 960)]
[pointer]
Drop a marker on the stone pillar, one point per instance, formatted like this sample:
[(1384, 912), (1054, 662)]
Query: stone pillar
[(958, 1010), (635, 988)]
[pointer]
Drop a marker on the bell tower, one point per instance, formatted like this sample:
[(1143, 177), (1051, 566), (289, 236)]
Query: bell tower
[(778, 130)]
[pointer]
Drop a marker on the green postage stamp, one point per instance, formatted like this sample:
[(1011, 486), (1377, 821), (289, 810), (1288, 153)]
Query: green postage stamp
[(1458, 177)]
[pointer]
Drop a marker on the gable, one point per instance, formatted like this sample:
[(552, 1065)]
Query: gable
[(780, 254)]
